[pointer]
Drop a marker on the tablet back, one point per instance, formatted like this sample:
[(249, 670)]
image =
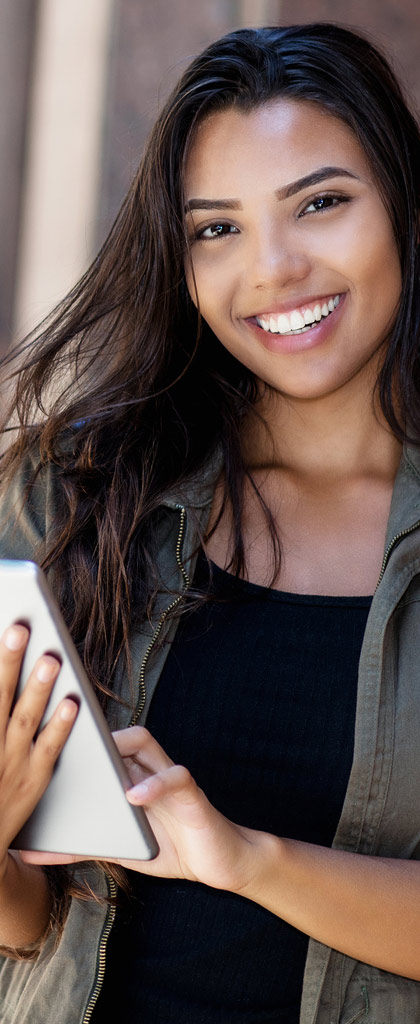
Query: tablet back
[(84, 809)]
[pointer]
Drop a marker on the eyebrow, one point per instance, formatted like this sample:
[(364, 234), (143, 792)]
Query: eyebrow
[(314, 178)]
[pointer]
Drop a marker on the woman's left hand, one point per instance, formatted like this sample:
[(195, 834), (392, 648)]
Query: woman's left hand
[(196, 842)]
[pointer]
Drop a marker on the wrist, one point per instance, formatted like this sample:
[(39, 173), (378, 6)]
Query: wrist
[(264, 857)]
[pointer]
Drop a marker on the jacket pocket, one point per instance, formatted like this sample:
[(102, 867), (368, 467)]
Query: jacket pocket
[(377, 997), (357, 1009)]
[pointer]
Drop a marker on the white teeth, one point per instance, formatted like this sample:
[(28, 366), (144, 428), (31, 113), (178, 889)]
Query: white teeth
[(297, 320), (295, 323), (283, 324)]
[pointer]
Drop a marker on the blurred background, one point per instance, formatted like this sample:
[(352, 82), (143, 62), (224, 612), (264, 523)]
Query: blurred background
[(81, 82)]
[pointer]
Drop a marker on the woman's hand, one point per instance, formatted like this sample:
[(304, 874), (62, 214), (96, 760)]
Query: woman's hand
[(368, 907), (26, 763), (196, 842)]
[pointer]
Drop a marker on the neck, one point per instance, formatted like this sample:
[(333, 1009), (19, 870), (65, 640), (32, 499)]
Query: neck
[(328, 439)]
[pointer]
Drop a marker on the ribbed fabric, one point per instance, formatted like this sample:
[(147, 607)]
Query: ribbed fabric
[(257, 698)]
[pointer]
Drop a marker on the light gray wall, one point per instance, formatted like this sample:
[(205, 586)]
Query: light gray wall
[(17, 24)]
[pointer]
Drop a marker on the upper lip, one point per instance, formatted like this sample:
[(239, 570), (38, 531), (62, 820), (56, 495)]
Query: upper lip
[(299, 303)]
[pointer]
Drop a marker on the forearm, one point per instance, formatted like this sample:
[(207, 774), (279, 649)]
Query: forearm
[(25, 903), (366, 907)]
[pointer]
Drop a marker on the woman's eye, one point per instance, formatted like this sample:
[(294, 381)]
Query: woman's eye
[(218, 230), (322, 203)]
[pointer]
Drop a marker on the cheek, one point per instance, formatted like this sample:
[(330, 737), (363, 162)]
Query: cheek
[(210, 292), (382, 273), (205, 286), (369, 259)]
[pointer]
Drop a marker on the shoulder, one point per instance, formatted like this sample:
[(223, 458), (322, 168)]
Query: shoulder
[(28, 506)]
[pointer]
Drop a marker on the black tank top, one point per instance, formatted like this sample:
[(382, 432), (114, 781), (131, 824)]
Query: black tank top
[(257, 699)]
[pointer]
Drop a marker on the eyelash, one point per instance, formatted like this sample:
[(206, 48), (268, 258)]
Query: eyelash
[(198, 236), (338, 200)]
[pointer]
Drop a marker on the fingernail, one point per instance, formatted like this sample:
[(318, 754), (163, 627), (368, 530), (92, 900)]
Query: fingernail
[(47, 669), (140, 790), (15, 637), (68, 710)]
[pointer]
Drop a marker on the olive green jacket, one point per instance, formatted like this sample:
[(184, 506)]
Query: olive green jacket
[(381, 812)]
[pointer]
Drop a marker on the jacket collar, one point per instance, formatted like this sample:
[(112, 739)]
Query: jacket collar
[(405, 504), (198, 490)]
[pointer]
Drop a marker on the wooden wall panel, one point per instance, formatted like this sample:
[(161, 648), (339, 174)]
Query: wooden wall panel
[(395, 24), (153, 41)]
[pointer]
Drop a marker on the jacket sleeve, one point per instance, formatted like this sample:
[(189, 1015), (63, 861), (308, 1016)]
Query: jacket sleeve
[(24, 517), (25, 512)]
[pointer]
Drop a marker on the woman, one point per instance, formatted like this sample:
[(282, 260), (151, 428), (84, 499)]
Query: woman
[(234, 449)]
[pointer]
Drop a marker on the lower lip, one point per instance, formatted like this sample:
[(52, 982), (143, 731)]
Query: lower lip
[(299, 342)]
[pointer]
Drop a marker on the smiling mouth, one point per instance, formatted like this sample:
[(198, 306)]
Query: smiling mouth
[(296, 322)]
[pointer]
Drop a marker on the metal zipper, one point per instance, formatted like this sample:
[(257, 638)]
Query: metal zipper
[(113, 888), (109, 921), (142, 686), (398, 537)]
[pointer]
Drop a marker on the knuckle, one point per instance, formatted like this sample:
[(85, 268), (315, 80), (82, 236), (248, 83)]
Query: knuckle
[(23, 720), (48, 747), (26, 789), (183, 775), (5, 694), (51, 751)]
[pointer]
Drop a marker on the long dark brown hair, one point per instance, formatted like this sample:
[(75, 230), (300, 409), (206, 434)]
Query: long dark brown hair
[(128, 392)]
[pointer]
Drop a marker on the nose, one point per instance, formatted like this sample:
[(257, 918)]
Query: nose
[(276, 259)]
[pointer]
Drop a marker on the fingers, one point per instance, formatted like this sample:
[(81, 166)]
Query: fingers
[(12, 648), (26, 762), (31, 705), (166, 778), (17, 729), (52, 738), (44, 857), (175, 780), (139, 743)]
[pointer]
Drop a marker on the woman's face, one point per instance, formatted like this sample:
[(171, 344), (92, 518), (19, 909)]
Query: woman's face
[(294, 257)]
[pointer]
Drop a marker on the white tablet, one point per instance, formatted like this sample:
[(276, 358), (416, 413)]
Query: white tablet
[(84, 809)]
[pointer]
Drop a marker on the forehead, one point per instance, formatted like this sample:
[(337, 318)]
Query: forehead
[(235, 151)]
